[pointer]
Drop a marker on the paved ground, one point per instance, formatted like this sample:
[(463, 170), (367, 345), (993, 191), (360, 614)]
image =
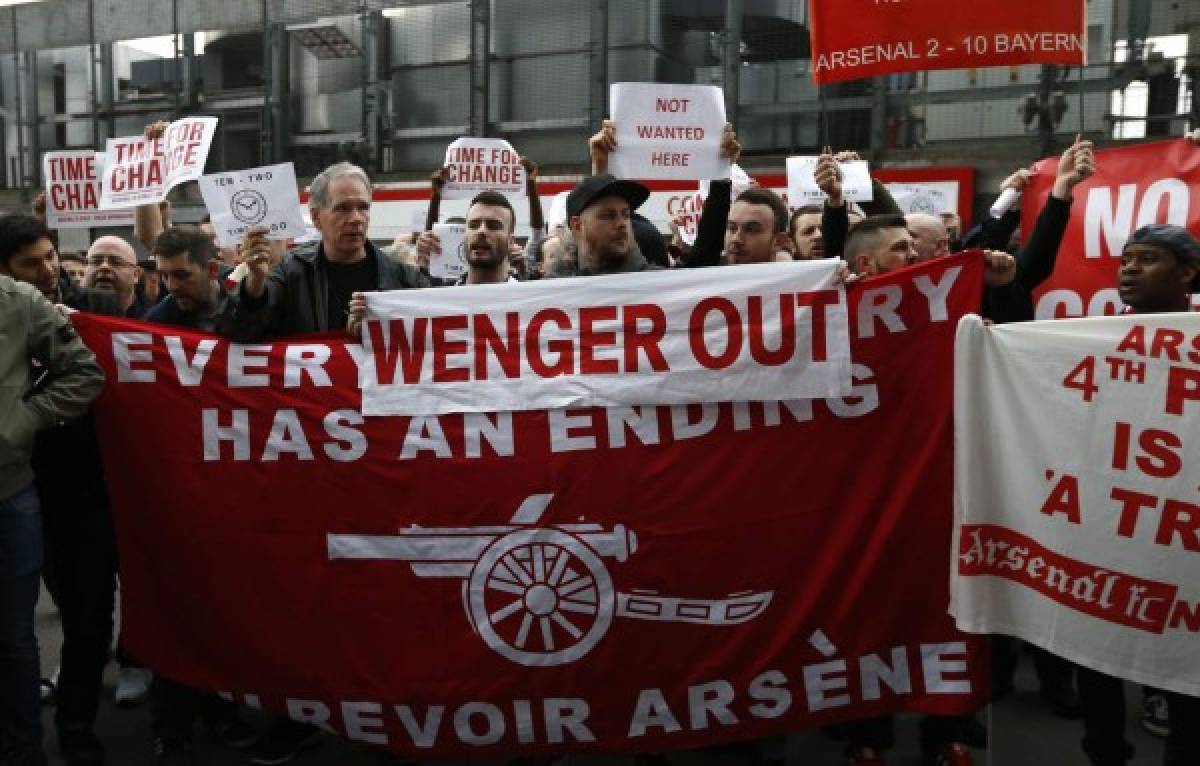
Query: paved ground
[(1023, 733)]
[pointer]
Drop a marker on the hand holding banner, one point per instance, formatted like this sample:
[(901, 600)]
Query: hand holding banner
[(265, 197), (482, 164), (140, 171), (668, 131), (73, 192)]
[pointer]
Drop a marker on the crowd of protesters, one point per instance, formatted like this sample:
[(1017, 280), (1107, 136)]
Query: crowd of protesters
[(264, 289)]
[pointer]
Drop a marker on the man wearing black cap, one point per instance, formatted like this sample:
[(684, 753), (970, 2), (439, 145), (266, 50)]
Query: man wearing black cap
[(599, 211), (1159, 271)]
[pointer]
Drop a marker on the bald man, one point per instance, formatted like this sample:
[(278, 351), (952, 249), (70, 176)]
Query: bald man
[(929, 236), (112, 266)]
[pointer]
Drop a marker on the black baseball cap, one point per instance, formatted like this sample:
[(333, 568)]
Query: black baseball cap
[(591, 189)]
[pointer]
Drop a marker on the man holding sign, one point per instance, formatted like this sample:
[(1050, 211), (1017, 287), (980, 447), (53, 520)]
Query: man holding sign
[(310, 292)]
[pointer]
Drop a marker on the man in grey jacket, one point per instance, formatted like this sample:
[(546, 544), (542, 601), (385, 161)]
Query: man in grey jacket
[(32, 333)]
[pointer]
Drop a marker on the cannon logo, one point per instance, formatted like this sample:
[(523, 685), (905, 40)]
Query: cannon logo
[(541, 596)]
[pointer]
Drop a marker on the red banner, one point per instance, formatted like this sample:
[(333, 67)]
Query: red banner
[(630, 579), (1133, 186), (865, 38)]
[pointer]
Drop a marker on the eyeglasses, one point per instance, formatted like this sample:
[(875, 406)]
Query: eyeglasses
[(114, 261)]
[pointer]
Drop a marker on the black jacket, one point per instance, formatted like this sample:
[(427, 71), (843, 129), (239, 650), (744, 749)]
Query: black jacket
[(295, 302), (67, 463)]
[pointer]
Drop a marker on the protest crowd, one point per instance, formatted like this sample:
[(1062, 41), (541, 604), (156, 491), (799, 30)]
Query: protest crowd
[(260, 287)]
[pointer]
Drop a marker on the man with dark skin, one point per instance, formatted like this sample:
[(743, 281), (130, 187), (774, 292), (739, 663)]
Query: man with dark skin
[(1158, 273)]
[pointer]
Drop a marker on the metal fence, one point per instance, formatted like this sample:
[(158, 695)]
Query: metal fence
[(388, 84)]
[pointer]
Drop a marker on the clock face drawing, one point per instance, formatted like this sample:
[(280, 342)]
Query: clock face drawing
[(248, 206)]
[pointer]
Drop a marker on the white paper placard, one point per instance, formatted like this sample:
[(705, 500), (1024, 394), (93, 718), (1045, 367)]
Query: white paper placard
[(482, 164), (803, 189), (934, 197), (668, 131), (72, 181), (137, 171), (451, 263), (265, 197), (558, 211)]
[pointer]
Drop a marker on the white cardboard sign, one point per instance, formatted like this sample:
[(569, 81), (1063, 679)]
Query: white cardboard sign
[(451, 263), (668, 131), (803, 189), (482, 164), (137, 171), (266, 197), (73, 192), (934, 198)]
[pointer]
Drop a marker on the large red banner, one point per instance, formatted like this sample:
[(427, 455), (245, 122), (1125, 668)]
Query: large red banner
[(629, 579), (1133, 186), (864, 38)]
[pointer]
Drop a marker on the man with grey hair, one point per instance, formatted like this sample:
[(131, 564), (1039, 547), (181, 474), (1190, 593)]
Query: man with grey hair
[(929, 236), (310, 291)]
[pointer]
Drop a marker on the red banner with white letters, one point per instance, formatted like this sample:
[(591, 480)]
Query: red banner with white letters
[(482, 584), (852, 39), (1133, 186)]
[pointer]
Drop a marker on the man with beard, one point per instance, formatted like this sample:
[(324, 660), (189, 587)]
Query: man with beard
[(599, 213), (490, 221), (112, 266), (188, 262), (805, 230)]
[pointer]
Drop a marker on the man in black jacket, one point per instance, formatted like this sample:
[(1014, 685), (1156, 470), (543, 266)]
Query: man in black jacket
[(81, 554), (311, 290)]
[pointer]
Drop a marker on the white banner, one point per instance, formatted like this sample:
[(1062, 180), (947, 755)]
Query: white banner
[(803, 189), (667, 131), (140, 172), (482, 164), (932, 197), (451, 262), (265, 197), (1077, 514), (740, 333), (73, 192)]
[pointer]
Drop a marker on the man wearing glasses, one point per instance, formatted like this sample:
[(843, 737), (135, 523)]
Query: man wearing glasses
[(112, 266)]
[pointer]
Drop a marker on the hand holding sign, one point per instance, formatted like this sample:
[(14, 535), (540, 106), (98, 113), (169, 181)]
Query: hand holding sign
[(849, 179), (482, 164), (255, 252)]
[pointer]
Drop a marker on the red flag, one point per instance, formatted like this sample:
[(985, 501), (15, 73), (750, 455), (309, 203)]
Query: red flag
[(863, 38), (1133, 186), (638, 578)]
